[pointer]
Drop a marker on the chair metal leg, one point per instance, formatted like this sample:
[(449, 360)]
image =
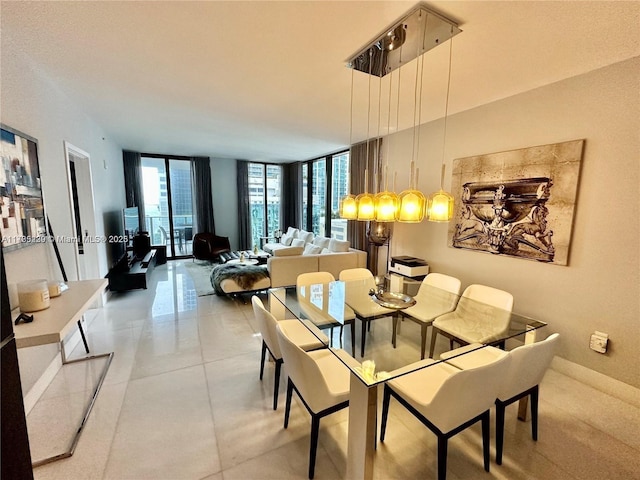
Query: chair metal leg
[(423, 340), (287, 408), (500, 410), (394, 331), (84, 339), (315, 431), (486, 433), (353, 338), (276, 384), (442, 456), (264, 355), (364, 336), (534, 413), (432, 347), (385, 412)]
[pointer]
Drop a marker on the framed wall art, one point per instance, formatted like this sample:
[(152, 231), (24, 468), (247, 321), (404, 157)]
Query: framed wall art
[(518, 203), (21, 205)]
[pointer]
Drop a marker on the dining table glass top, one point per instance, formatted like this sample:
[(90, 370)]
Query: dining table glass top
[(329, 309)]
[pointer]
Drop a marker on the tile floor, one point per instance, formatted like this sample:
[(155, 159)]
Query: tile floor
[(182, 400)]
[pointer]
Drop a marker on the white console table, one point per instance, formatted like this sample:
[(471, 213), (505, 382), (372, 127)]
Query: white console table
[(53, 325)]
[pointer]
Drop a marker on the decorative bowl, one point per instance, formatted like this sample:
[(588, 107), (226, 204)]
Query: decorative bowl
[(396, 301)]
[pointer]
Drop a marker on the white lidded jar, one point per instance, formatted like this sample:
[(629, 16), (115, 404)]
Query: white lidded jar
[(33, 295)]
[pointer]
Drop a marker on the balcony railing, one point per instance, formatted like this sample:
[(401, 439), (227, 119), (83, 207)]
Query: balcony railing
[(160, 231)]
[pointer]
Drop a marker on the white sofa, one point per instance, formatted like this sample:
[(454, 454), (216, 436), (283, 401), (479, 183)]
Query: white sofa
[(308, 254), (284, 270)]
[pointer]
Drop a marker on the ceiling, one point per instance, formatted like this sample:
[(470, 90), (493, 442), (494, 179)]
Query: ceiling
[(266, 80)]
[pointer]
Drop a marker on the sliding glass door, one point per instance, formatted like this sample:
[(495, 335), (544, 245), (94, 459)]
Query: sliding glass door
[(168, 203), (265, 199)]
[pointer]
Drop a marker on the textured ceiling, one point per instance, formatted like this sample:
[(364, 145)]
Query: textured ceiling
[(267, 80)]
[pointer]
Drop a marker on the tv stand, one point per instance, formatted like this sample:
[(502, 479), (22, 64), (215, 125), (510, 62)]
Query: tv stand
[(133, 273)]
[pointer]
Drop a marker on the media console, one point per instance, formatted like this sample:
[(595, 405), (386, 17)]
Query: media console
[(132, 273)]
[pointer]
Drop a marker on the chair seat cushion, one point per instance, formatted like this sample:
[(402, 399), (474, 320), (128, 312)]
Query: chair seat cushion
[(302, 336), (419, 388)]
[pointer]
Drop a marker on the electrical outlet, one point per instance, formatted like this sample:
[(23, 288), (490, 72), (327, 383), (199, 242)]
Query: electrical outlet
[(599, 342)]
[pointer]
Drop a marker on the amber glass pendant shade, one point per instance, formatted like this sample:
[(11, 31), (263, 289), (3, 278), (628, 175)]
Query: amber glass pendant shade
[(366, 206), (440, 207), (412, 206), (349, 207), (386, 206)]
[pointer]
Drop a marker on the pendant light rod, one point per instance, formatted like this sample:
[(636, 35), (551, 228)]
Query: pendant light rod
[(446, 112)]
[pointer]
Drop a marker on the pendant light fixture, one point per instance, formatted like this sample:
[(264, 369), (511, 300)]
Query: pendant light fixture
[(387, 202), (412, 201), (423, 29), (440, 204), (366, 201), (348, 209)]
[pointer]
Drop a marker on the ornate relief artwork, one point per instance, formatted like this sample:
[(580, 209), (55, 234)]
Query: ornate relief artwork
[(518, 203)]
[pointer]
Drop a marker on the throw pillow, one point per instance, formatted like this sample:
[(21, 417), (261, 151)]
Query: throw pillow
[(297, 242), (325, 251), (338, 245), (306, 236), (322, 242), (292, 232), (286, 239), (311, 249), (287, 252)]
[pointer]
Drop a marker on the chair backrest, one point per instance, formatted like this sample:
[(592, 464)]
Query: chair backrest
[(489, 296), (443, 282), (303, 371), (467, 393), (528, 365), (267, 324), (314, 278), (488, 308)]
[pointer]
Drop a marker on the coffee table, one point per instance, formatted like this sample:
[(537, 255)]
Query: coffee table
[(246, 261)]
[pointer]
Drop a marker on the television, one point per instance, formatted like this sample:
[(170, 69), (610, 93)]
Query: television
[(114, 233), (131, 222)]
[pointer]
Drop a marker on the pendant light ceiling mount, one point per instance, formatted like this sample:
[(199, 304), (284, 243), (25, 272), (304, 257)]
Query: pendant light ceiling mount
[(417, 32)]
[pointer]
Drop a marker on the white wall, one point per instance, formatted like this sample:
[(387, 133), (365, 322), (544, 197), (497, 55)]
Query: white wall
[(225, 199), (32, 104), (600, 288)]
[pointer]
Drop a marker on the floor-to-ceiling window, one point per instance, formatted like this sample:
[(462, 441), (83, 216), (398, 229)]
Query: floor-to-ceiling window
[(325, 181), (318, 196), (305, 195), (168, 202), (265, 195), (339, 188)]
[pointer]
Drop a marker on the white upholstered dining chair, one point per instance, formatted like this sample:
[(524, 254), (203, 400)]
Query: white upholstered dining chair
[(359, 281), (437, 295), (314, 278), (320, 380), (448, 400), (528, 365), (298, 332), (482, 314)]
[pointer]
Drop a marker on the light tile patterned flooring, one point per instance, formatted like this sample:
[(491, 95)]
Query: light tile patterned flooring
[(182, 400)]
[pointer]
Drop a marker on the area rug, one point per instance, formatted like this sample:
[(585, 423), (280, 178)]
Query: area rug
[(200, 273)]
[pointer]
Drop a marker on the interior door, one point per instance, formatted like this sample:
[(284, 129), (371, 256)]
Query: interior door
[(82, 212)]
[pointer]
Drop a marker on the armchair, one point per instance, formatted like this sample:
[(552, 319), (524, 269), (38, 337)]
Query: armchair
[(209, 246)]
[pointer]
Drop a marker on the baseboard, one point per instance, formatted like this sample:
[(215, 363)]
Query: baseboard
[(615, 388), (38, 389)]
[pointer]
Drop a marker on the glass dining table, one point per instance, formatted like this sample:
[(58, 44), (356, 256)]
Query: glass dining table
[(325, 308)]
